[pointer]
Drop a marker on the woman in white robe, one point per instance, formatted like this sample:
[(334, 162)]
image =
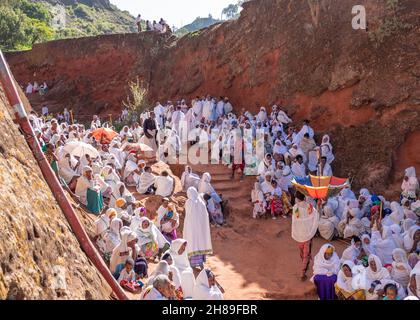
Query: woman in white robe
[(150, 239), (401, 270), (409, 239), (206, 287), (174, 274), (132, 171), (110, 177), (344, 285), (353, 252), (326, 267), (410, 185), (414, 286), (84, 183), (180, 259), (68, 170), (396, 216), (120, 191), (102, 224), (124, 250), (327, 149), (197, 228), (206, 187), (375, 278), (146, 181), (328, 223), (113, 235), (257, 198), (354, 226), (162, 268), (189, 179), (384, 244)]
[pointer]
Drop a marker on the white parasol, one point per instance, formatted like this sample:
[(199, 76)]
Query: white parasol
[(79, 149)]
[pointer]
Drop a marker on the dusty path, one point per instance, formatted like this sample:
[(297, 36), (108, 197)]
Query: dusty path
[(251, 259)]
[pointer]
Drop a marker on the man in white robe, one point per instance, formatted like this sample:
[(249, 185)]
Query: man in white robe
[(305, 221), (324, 168), (298, 167)]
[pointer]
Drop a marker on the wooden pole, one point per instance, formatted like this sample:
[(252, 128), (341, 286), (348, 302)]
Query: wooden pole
[(71, 116), (110, 119)]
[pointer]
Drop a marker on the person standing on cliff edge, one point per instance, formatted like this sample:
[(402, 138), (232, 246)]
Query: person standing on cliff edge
[(305, 221), (138, 23)]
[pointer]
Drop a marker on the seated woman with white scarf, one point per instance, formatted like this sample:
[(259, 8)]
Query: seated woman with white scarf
[(181, 262), (344, 287), (383, 243), (102, 225), (257, 198), (121, 191), (326, 267), (189, 179), (110, 177), (113, 236), (89, 191), (206, 187), (353, 252), (146, 182), (401, 270), (150, 239), (412, 240), (168, 221), (206, 287), (375, 278), (174, 275), (124, 250), (68, 167), (132, 171), (328, 223)]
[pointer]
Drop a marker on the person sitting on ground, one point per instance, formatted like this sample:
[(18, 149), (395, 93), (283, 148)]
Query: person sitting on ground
[(169, 222), (206, 287), (89, 191), (189, 179), (326, 268), (162, 289), (102, 225), (128, 279), (147, 182), (206, 187), (276, 203), (164, 184), (344, 287), (124, 250), (150, 240), (215, 211)]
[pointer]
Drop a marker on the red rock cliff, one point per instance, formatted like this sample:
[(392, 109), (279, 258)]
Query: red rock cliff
[(304, 53)]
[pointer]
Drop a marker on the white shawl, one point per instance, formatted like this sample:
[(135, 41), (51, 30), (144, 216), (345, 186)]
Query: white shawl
[(196, 225), (323, 266), (304, 221), (203, 291)]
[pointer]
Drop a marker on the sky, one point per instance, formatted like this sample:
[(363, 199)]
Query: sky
[(174, 12)]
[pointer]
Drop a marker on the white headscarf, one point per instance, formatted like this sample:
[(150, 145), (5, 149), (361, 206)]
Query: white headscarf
[(381, 273), (323, 266), (416, 273), (202, 289), (344, 282), (400, 267)]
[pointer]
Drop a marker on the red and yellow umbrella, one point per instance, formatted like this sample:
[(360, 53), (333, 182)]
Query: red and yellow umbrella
[(319, 187)]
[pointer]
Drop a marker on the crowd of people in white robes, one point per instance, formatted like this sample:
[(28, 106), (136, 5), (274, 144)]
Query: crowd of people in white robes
[(385, 235), (101, 177)]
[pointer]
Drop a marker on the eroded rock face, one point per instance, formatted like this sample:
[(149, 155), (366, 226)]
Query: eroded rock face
[(40, 257), (302, 53)]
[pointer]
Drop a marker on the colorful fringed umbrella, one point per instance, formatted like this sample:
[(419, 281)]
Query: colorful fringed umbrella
[(318, 187)]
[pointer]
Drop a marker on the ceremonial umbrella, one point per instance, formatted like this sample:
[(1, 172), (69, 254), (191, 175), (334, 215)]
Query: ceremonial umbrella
[(101, 133), (318, 187), (79, 149)]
